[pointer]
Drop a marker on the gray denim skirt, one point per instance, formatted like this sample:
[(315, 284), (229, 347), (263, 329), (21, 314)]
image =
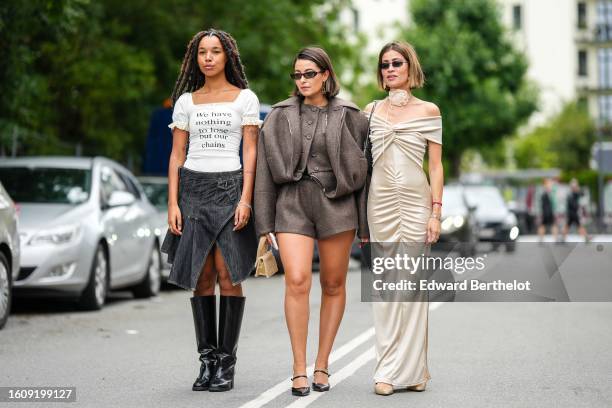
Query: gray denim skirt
[(207, 202)]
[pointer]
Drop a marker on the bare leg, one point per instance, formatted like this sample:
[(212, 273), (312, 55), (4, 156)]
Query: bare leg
[(541, 232), (296, 255), (583, 233), (225, 282), (207, 278), (334, 253)]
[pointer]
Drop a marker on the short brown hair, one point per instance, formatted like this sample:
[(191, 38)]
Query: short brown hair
[(319, 57), (416, 78)]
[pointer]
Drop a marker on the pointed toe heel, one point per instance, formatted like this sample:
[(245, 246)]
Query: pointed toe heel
[(319, 387), (300, 391)]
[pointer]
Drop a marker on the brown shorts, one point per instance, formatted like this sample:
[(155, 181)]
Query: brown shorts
[(302, 208)]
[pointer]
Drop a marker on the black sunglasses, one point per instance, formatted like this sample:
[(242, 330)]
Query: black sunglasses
[(308, 75), (395, 64)]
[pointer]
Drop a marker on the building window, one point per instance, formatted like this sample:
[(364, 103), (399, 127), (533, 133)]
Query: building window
[(517, 17), (582, 63), (356, 22), (582, 15), (604, 67), (604, 20), (605, 110)]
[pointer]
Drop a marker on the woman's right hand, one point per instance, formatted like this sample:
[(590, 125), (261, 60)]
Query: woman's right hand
[(175, 219)]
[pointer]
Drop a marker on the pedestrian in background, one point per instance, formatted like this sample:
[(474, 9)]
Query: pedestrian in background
[(403, 208), (210, 238), (573, 210), (547, 212), (311, 172)]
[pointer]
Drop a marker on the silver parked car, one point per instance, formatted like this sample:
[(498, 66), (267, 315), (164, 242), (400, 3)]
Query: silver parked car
[(156, 189), (85, 227), (9, 252)]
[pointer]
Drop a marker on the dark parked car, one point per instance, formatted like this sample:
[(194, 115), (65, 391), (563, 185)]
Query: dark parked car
[(459, 228), (497, 224)]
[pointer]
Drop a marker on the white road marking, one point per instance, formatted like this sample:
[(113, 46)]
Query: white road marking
[(346, 371), (340, 376), (284, 385)]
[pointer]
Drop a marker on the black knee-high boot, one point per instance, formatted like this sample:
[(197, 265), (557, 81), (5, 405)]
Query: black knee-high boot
[(230, 320), (205, 322)]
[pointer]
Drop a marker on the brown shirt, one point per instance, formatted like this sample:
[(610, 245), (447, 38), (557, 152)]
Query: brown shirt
[(314, 159)]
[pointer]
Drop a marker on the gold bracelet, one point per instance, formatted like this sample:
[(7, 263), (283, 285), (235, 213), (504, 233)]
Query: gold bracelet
[(245, 204)]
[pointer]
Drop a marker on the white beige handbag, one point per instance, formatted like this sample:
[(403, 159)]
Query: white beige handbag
[(265, 264)]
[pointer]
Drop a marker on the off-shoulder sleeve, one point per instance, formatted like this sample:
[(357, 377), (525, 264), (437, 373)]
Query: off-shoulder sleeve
[(250, 109), (432, 129), (180, 116)]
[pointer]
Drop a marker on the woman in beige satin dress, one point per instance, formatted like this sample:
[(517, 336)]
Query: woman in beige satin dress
[(403, 208)]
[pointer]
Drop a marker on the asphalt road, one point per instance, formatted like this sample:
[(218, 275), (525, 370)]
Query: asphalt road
[(141, 353)]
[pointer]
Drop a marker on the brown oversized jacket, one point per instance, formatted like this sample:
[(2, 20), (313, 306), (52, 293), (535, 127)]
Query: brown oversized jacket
[(280, 146)]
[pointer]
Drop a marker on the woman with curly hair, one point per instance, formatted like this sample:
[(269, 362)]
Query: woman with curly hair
[(210, 238)]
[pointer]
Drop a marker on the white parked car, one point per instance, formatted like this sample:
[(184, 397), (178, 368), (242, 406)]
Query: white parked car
[(85, 227), (9, 253), (156, 189)]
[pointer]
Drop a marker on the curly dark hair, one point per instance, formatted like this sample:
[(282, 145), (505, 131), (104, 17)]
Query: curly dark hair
[(191, 77)]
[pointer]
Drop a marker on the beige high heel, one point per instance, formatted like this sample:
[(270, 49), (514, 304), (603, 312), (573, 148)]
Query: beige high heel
[(381, 388), (418, 387)]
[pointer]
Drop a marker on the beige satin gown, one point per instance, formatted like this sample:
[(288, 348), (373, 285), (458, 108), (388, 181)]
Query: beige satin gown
[(399, 207)]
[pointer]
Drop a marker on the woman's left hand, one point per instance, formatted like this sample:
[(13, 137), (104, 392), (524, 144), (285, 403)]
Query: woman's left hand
[(241, 216), (433, 230)]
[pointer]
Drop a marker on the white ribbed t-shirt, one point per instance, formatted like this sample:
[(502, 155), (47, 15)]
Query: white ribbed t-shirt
[(215, 130)]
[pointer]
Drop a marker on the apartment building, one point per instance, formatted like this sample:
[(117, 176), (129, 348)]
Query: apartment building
[(568, 44), (569, 47)]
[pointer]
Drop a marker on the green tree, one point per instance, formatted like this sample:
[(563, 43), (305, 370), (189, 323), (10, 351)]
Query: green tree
[(84, 75), (564, 142), (73, 86), (473, 72), (268, 32)]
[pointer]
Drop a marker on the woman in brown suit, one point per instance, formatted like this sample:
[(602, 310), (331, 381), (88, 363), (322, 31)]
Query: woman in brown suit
[(309, 185)]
